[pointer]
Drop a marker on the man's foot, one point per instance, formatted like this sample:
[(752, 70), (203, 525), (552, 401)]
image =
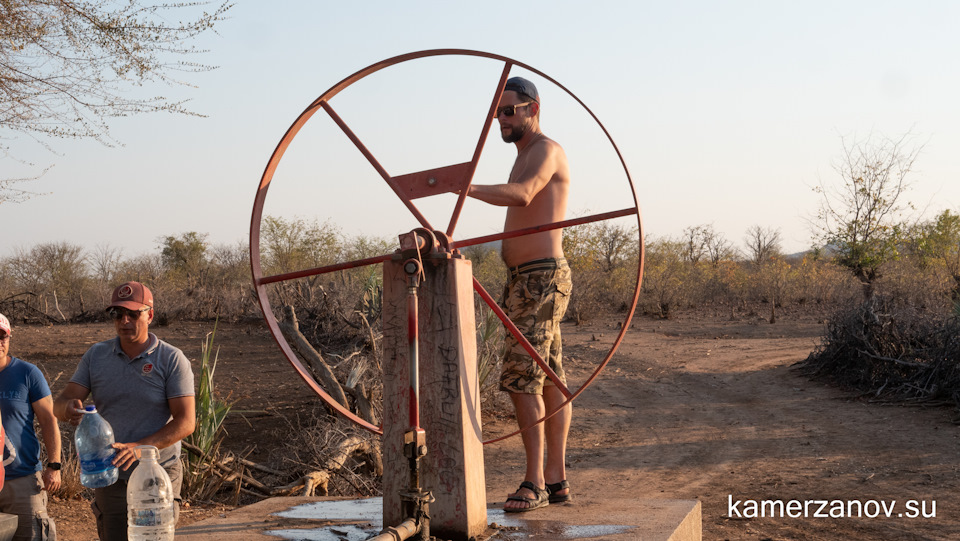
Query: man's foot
[(559, 492), (527, 498)]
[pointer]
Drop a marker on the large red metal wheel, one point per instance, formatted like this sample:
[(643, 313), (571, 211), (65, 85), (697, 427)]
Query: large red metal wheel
[(422, 184)]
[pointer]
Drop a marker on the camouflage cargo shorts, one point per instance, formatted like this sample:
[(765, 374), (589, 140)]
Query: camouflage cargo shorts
[(535, 298)]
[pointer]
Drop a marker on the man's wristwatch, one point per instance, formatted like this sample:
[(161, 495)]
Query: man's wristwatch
[(55, 466)]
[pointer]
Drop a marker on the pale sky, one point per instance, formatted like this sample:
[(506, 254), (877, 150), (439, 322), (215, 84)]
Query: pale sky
[(727, 113)]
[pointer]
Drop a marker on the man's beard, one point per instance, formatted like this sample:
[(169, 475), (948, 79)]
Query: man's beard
[(515, 133)]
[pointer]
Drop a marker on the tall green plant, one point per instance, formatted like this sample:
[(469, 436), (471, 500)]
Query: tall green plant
[(211, 413)]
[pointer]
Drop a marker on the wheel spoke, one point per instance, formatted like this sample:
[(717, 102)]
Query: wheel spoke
[(479, 150), (376, 165), (521, 339), (547, 227), (323, 270)]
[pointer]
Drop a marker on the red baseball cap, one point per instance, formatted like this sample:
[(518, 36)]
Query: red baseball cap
[(4, 324), (132, 295)]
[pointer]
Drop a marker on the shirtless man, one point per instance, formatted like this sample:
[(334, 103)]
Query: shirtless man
[(537, 291)]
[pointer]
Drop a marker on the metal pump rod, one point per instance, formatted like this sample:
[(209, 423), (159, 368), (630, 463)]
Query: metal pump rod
[(412, 268), (416, 500)]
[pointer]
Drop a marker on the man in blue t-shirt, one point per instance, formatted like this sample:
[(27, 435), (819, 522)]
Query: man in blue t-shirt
[(25, 395)]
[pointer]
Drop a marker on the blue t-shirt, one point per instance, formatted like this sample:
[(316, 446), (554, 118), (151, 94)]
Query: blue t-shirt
[(21, 384)]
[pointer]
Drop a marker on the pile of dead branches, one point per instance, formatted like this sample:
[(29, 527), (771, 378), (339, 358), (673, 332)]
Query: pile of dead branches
[(321, 454), (316, 462), (19, 308), (891, 351), (347, 377), (329, 455)]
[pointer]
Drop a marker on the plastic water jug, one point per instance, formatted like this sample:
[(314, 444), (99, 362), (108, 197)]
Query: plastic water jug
[(150, 496), (93, 439)]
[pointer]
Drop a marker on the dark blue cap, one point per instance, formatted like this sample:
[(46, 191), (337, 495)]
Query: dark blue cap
[(522, 86)]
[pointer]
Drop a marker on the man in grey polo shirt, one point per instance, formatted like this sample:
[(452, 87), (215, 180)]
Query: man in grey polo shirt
[(143, 387)]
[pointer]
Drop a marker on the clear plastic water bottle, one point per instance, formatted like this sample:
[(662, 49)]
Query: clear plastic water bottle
[(94, 438), (150, 496)]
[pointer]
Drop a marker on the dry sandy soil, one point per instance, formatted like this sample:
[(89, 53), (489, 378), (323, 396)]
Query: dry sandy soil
[(692, 408)]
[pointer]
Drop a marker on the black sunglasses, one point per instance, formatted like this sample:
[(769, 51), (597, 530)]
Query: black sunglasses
[(118, 313), (510, 110)]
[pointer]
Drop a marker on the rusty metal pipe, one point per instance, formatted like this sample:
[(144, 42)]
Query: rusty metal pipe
[(405, 530)]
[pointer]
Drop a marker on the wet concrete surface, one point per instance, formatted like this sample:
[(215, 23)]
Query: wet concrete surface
[(337, 519), (367, 512)]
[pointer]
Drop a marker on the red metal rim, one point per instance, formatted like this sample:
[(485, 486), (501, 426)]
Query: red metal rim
[(260, 282)]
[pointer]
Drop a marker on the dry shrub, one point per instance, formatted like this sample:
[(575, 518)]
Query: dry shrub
[(490, 344), (928, 288), (892, 350), (359, 372), (70, 487), (665, 278), (588, 297), (488, 268), (338, 311), (824, 283), (720, 283), (603, 260)]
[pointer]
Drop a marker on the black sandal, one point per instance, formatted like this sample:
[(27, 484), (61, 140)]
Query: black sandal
[(553, 488), (541, 498)]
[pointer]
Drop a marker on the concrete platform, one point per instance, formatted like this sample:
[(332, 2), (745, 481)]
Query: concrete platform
[(337, 519)]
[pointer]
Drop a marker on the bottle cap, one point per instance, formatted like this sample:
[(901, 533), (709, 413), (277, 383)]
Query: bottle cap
[(90, 409), (148, 452)]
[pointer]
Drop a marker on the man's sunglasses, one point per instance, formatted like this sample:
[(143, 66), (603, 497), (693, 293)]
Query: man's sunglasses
[(118, 313), (510, 110)]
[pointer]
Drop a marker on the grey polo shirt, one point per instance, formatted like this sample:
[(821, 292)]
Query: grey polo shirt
[(131, 394)]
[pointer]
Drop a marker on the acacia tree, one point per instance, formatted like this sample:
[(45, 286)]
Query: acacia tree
[(703, 242), (695, 240), (762, 244), (185, 258), (861, 216), (68, 67)]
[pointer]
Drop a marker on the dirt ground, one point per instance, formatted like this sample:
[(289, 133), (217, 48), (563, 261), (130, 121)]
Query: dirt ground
[(698, 407)]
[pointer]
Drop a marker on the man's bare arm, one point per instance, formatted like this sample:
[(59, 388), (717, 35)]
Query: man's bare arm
[(70, 400), (50, 431), (538, 167)]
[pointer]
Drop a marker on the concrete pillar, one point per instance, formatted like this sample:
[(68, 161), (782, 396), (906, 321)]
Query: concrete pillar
[(449, 397)]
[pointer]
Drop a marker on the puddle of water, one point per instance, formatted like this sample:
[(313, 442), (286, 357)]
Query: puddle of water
[(367, 510), (347, 532)]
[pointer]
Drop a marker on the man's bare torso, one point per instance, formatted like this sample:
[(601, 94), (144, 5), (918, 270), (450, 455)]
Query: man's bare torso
[(548, 206)]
